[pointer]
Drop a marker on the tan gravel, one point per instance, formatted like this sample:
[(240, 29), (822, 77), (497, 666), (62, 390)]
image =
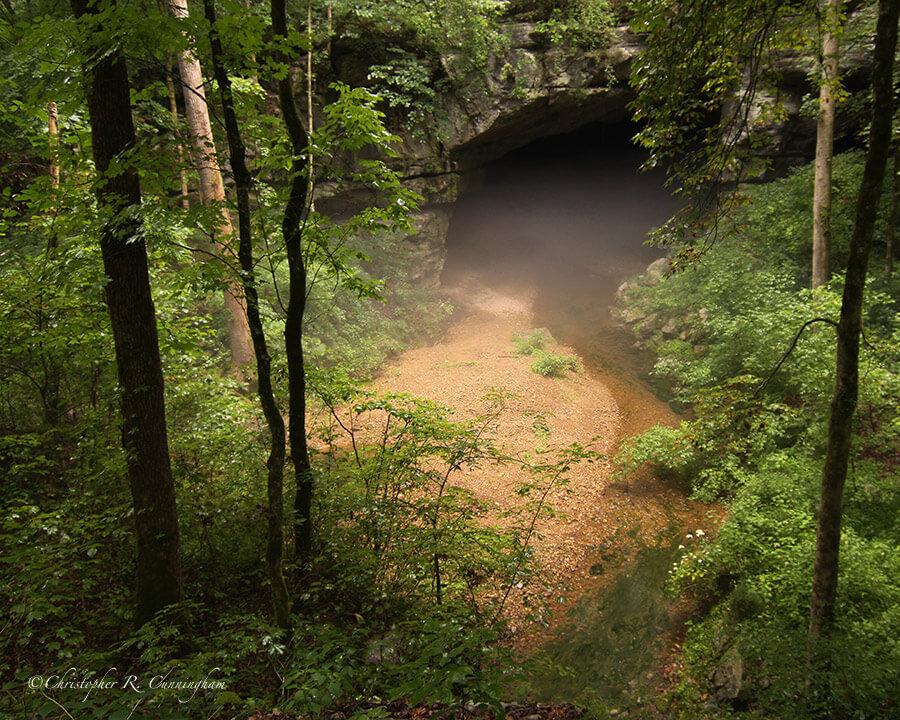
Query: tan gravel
[(477, 356)]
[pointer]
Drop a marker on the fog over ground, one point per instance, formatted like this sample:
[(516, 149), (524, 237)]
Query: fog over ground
[(562, 220)]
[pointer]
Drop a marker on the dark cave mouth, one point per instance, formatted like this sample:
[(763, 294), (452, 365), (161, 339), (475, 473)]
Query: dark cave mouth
[(570, 210)]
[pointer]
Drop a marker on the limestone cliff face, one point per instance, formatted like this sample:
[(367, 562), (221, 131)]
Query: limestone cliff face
[(532, 89), (535, 88)]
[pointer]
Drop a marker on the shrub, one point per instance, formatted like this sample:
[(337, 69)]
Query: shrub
[(552, 365), (546, 363), (531, 342), (756, 576), (756, 436), (733, 431)]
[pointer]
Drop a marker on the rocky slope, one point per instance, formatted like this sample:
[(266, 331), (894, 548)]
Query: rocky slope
[(531, 89)]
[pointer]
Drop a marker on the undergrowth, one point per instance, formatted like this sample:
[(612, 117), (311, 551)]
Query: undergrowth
[(546, 364), (752, 359)]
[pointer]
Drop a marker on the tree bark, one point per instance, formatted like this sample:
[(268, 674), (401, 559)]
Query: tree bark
[(825, 144), (50, 390), (309, 96), (133, 319), (53, 136), (843, 403), (53, 142), (894, 216), (275, 462), (212, 188), (173, 111), (292, 232)]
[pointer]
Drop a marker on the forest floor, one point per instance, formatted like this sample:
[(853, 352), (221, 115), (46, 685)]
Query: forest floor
[(596, 517)]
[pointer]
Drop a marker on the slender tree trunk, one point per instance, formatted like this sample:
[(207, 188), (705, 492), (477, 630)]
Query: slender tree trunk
[(825, 144), (212, 188), (291, 227), (843, 403), (330, 12), (309, 95), (53, 135), (894, 218), (50, 392), (133, 320), (173, 111), (53, 142), (275, 463)]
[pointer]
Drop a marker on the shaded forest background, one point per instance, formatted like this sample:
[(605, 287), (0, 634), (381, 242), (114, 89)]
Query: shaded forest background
[(364, 576)]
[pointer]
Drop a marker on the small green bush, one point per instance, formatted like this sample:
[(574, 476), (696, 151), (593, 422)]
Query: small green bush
[(531, 342), (552, 365), (546, 363)]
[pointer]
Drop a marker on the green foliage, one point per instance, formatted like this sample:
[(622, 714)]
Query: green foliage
[(438, 659), (361, 303), (51, 309), (391, 495), (717, 451), (757, 573), (464, 32), (546, 364), (55, 563), (721, 328), (750, 350), (704, 113), (396, 508), (551, 365), (360, 333), (451, 662), (410, 90), (777, 217), (539, 425), (529, 343), (65, 522), (582, 23), (738, 310)]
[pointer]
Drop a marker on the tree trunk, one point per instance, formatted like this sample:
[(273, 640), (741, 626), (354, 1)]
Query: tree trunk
[(292, 231), (825, 144), (275, 463), (53, 137), (50, 391), (53, 143), (309, 97), (843, 403), (212, 188), (133, 320), (173, 111), (894, 216)]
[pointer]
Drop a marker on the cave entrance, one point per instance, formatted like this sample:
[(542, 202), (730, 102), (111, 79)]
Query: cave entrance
[(561, 223), (562, 220)]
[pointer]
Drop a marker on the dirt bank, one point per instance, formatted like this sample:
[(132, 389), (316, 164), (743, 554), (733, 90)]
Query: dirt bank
[(596, 519)]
